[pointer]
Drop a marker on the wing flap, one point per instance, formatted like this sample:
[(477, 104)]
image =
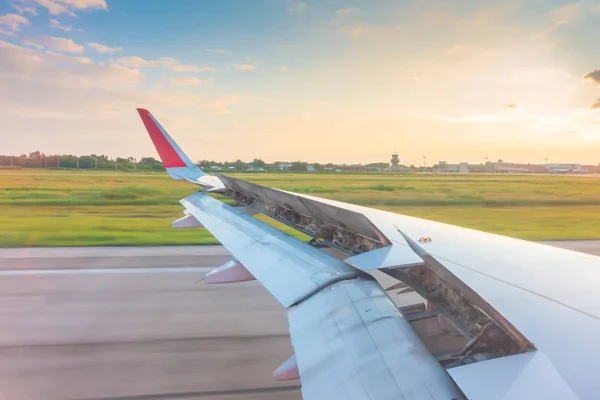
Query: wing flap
[(393, 256), (352, 343)]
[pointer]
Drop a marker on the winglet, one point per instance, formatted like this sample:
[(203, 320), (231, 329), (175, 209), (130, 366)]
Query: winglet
[(178, 165)]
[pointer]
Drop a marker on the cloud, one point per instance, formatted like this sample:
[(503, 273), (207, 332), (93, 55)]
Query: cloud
[(95, 106), (164, 62), (297, 7), (27, 42), (496, 118), (56, 7), (11, 23), (57, 25), (32, 79), (216, 51), (565, 14), (100, 48), (60, 58), (359, 31), (593, 77), (18, 62), (596, 105), (181, 99), (7, 32), (186, 81), (347, 11), (22, 7), (458, 48), (242, 67), (284, 68), (512, 106), (57, 43)]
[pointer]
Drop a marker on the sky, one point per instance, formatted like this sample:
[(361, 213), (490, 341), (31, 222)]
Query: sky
[(342, 81)]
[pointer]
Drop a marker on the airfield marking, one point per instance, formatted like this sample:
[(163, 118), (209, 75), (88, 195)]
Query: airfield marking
[(211, 393), (101, 271)]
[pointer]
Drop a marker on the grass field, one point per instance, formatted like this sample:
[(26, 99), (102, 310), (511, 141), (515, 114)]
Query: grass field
[(45, 208)]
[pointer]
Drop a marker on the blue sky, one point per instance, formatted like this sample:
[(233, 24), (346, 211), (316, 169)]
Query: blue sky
[(343, 81)]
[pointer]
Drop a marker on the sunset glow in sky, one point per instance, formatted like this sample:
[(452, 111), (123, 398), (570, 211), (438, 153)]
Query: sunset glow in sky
[(340, 81)]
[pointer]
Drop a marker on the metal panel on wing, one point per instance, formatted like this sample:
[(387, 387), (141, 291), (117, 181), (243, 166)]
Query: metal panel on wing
[(396, 255), (352, 343), (288, 268), (340, 217), (518, 377)]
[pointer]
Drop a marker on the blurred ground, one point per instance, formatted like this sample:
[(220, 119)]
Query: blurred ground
[(45, 208), (108, 323), (133, 323)]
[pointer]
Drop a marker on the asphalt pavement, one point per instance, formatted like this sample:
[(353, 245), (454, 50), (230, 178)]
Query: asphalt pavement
[(134, 323)]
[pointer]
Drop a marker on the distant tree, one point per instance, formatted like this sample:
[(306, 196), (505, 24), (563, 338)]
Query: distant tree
[(258, 163), (298, 166), (378, 165), (240, 165)]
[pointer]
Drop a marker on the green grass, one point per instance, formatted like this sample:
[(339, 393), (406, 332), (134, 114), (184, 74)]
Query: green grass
[(44, 208)]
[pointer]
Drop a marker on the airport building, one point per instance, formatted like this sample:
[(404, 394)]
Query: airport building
[(502, 167), (499, 167)]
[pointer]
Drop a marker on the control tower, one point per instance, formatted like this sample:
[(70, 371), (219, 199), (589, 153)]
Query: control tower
[(395, 162)]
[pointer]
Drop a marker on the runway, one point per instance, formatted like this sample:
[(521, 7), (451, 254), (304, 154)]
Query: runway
[(133, 323)]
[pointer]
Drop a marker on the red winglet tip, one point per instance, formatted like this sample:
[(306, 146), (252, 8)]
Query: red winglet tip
[(167, 153)]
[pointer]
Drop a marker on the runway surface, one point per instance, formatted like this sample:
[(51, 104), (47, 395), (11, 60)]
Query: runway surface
[(133, 323)]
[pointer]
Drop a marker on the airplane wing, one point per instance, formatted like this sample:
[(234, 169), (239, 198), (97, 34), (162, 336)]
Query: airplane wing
[(512, 319)]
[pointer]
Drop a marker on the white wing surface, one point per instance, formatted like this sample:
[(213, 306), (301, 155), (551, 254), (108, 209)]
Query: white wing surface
[(352, 343), (350, 340), (289, 269), (529, 314)]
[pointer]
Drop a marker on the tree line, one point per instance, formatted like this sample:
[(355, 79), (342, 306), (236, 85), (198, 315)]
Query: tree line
[(38, 159)]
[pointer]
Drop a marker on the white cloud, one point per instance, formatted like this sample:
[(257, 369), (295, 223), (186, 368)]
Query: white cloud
[(565, 14), (22, 7), (216, 51), (164, 62), (284, 68), (100, 48), (186, 81), (491, 118), (593, 77), (31, 65), (458, 48), (242, 67), (7, 32), (62, 58), (347, 11), (56, 7), (297, 7), (57, 25), (57, 43), (27, 42), (11, 23), (88, 92)]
